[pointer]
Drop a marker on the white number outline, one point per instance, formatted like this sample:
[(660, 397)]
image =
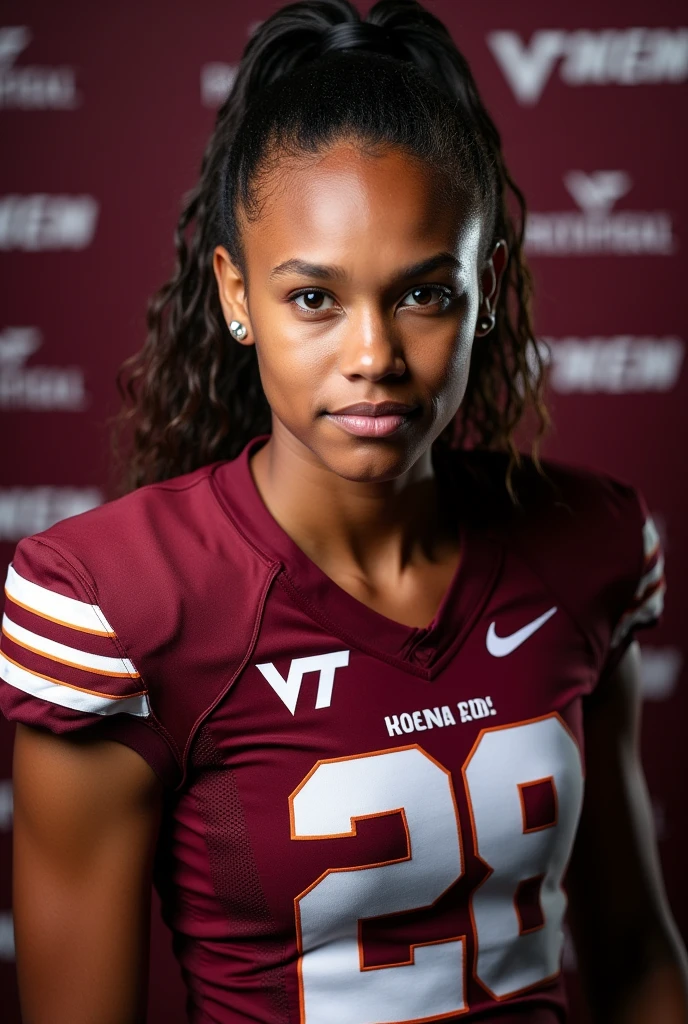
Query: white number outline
[(490, 870), (459, 938), (526, 831), (536, 782), (363, 867)]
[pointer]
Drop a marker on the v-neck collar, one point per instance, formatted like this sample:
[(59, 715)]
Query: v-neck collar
[(422, 650)]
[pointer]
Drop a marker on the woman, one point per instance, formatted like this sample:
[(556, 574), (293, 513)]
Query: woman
[(333, 678)]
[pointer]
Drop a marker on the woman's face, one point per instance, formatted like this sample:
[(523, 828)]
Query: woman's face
[(363, 284)]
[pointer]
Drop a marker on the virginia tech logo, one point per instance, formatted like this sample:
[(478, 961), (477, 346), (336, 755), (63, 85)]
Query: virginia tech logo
[(32, 86), (630, 56), (36, 387), (28, 510), (622, 364), (217, 80), (288, 689), (39, 221), (597, 228), (598, 192)]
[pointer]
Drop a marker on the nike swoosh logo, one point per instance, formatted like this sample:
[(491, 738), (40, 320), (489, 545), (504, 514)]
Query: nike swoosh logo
[(500, 646)]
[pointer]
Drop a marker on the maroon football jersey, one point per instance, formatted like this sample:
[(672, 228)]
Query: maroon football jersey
[(365, 822)]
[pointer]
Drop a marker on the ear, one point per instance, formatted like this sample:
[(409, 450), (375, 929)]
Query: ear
[(491, 278), (231, 288)]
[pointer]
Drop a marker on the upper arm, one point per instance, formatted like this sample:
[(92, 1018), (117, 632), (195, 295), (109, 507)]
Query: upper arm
[(86, 822), (619, 914)]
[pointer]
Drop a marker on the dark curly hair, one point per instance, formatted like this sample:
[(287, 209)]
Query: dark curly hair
[(311, 74)]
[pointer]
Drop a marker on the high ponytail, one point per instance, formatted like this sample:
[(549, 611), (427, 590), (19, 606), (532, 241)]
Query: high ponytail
[(192, 395)]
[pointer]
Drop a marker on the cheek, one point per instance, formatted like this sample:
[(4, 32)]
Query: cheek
[(451, 356), (291, 362), (464, 347), (447, 378), (465, 336), (458, 368)]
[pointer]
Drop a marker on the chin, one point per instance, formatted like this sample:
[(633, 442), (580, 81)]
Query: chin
[(368, 461)]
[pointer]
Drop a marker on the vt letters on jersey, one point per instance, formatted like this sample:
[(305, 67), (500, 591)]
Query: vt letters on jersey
[(288, 689), (368, 823)]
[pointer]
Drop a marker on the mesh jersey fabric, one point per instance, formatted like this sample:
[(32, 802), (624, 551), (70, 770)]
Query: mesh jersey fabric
[(364, 821)]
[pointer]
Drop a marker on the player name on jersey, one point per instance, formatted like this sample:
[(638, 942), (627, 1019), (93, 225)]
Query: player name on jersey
[(438, 717)]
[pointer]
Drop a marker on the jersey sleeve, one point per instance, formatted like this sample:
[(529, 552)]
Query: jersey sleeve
[(647, 604), (62, 666), (644, 603)]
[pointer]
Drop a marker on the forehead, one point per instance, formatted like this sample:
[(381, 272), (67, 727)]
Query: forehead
[(355, 203)]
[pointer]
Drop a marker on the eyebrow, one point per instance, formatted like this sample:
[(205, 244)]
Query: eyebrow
[(334, 273)]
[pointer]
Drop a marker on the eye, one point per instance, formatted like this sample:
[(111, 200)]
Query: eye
[(423, 296), (314, 300)]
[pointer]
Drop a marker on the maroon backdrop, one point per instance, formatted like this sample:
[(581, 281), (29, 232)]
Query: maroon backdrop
[(104, 115)]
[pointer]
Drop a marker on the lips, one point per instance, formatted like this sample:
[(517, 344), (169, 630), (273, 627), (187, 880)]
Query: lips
[(366, 419), (379, 409)]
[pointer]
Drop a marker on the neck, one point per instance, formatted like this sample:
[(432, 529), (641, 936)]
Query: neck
[(363, 527)]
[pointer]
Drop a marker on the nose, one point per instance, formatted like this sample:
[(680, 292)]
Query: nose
[(370, 347)]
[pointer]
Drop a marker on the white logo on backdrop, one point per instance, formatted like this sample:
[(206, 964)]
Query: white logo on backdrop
[(217, 78), (6, 805), (28, 510), (661, 669), (32, 87), (6, 935), (597, 229), (36, 387), (39, 221), (216, 81), (630, 56), (618, 365), (598, 192), (6, 924)]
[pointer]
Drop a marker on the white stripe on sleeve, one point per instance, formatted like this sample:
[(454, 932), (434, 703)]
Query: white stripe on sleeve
[(650, 537), (67, 655), (68, 696), (65, 610), (649, 611), (648, 608), (653, 576)]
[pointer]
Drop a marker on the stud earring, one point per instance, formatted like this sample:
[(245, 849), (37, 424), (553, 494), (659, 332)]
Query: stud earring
[(486, 323), (237, 330)]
